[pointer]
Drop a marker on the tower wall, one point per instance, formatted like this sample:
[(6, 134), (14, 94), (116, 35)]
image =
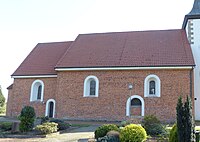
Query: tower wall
[(193, 33)]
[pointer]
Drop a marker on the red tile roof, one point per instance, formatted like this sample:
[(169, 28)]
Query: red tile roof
[(122, 49), (129, 49), (42, 59)]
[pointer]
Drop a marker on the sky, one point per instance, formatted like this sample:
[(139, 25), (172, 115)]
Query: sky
[(24, 23)]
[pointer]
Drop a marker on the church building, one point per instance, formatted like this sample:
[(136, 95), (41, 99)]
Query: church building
[(112, 76)]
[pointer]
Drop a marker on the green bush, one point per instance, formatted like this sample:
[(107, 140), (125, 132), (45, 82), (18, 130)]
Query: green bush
[(133, 133), (27, 118), (62, 125), (6, 126), (173, 136), (47, 128), (44, 119), (153, 126), (104, 129), (124, 123)]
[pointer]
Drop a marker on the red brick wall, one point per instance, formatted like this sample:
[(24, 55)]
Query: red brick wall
[(67, 90), (113, 94), (21, 95)]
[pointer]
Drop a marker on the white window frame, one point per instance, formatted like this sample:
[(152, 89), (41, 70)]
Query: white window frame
[(86, 92), (47, 107), (152, 77), (128, 104), (34, 90)]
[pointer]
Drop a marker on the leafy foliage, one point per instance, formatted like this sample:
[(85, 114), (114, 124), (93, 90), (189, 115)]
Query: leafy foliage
[(153, 126), (2, 102), (185, 122), (62, 125), (27, 118), (173, 137), (133, 133), (124, 123), (47, 128), (6, 126), (104, 129)]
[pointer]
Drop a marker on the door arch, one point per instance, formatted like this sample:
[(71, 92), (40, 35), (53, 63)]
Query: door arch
[(50, 108), (139, 101)]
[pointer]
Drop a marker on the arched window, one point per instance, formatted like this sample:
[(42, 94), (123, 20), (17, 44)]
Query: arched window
[(152, 86), (91, 87), (37, 91), (50, 108), (136, 102)]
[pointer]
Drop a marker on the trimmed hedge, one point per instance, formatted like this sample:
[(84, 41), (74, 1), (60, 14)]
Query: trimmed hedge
[(133, 133)]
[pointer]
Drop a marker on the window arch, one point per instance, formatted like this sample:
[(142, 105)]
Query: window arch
[(135, 101), (152, 86), (37, 91), (91, 86), (50, 108)]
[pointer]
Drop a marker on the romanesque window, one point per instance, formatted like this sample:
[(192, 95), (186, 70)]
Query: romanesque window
[(37, 91), (152, 86), (91, 87), (50, 108)]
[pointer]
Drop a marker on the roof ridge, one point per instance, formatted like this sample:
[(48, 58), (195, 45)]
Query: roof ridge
[(129, 31)]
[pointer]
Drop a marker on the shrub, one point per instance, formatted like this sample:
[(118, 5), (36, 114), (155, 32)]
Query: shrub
[(133, 133), (6, 126), (185, 123), (44, 119), (124, 123), (27, 118), (104, 129), (173, 137), (47, 128), (108, 139), (114, 135), (153, 126), (62, 125)]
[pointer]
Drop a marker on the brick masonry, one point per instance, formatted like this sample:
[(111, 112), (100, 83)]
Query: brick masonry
[(67, 90)]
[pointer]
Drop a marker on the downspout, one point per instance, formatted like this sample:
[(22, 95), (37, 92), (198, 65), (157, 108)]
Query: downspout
[(191, 82)]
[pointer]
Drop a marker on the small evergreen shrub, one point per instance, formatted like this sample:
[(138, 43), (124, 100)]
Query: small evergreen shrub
[(104, 129), (47, 128), (62, 125), (27, 118), (173, 137), (133, 133), (153, 126), (6, 126)]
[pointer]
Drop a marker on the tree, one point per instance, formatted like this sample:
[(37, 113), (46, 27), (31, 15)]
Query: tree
[(27, 118), (180, 119), (2, 102), (189, 122), (185, 123)]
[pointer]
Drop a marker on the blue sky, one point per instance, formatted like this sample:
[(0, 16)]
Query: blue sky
[(24, 23)]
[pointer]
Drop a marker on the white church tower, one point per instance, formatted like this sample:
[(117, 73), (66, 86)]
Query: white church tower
[(191, 24)]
